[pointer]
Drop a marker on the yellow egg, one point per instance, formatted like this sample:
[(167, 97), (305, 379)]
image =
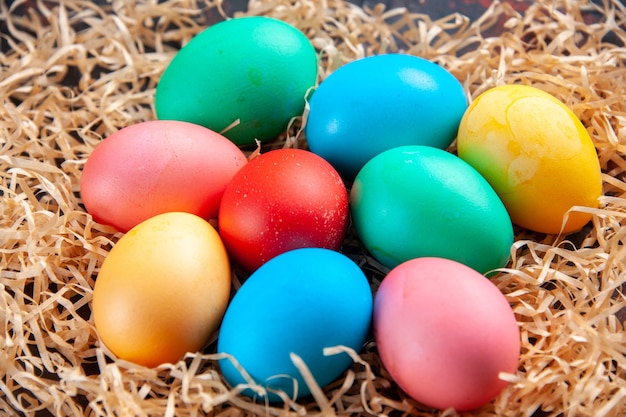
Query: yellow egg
[(535, 153), (162, 290)]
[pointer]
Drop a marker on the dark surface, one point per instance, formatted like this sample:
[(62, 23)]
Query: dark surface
[(440, 8), (433, 8)]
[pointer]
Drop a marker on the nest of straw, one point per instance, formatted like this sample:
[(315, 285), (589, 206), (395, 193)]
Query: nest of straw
[(74, 72)]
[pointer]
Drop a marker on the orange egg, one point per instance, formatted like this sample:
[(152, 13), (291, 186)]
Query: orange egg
[(535, 153), (162, 290)]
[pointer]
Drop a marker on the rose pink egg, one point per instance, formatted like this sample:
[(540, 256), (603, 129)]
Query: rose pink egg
[(157, 167), (445, 333)]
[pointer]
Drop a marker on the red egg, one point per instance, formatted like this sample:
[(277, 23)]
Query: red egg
[(282, 200), (445, 333), (156, 167)]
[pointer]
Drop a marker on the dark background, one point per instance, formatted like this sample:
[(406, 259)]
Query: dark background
[(434, 8)]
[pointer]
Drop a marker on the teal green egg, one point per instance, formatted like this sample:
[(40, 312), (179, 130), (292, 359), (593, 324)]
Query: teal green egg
[(248, 75), (418, 201)]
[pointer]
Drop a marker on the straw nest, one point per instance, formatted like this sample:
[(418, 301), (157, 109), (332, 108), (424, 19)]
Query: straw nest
[(74, 72)]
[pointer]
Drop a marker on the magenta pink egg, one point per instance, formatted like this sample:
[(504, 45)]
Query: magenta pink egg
[(445, 333), (156, 167)]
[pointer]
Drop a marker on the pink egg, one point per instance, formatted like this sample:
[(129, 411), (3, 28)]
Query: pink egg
[(445, 333), (157, 167)]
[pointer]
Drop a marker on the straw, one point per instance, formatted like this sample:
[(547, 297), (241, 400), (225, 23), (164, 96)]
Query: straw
[(74, 72)]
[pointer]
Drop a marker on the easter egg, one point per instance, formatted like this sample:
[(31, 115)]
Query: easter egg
[(445, 333), (298, 303), (162, 290), (248, 74), (535, 153), (420, 201), (381, 102), (156, 167), (282, 200)]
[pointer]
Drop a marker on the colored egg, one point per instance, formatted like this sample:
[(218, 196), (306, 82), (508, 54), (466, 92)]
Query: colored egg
[(156, 167), (298, 303), (282, 200), (535, 153), (251, 71), (380, 102), (445, 333), (420, 201), (162, 290)]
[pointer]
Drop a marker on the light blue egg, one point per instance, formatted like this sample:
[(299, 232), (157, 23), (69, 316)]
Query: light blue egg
[(301, 302), (373, 104)]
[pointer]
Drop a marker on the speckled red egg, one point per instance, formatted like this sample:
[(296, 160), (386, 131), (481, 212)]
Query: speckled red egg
[(445, 333), (157, 167), (282, 200)]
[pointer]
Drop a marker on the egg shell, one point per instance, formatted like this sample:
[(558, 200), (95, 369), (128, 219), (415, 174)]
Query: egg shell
[(162, 290), (252, 70), (156, 167), (282, 200), (445, 333), (418, 201), (535, 153), (300, 302), (376, 103)]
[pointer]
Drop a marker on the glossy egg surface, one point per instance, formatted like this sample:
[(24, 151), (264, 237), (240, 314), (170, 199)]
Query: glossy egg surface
[(162, 290), (535, 153), (380, 102), (299, 302), (445, 333), (251, 71), (418, 201), (156, 167), (284, 199)]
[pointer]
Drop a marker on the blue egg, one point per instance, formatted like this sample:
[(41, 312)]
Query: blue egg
[(377, 103), (301, 301)]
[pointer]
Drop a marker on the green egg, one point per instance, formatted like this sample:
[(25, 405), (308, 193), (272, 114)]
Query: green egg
[(419, 201), (251, 73)]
